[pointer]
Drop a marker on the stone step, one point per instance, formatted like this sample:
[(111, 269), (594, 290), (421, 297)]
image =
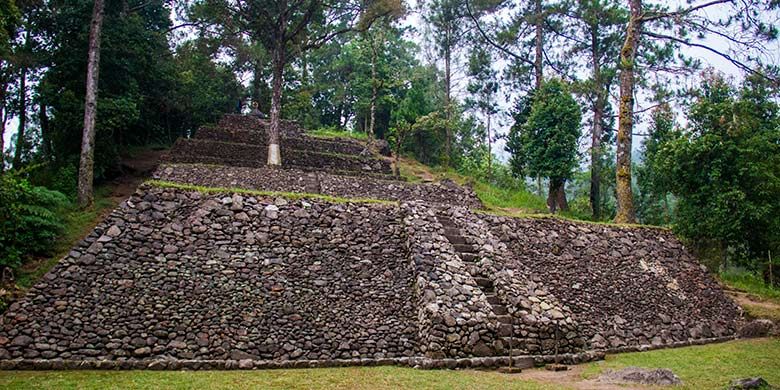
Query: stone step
[(468, 257), (505, 319), (522, 362), (493, 299), (465, 248), (484, 282), (499, 310), (456, 239), (451, 232), (446, 222)]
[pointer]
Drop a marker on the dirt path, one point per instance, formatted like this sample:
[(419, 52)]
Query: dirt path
[(136, 168), (743, 298), (572, 379)]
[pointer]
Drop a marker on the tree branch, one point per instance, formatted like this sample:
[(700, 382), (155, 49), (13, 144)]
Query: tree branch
[(686, 11), (491, 42), (726, 56)]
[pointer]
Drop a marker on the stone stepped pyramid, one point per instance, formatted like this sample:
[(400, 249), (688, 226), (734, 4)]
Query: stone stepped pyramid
[(179, 278)]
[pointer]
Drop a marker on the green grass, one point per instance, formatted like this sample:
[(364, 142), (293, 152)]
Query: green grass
[(708, 366), (336, 133), (78, 223), (289, 195), (751, 283), (518, 199), (327, 378), (701, 367)]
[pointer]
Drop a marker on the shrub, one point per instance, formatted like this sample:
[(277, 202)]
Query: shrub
[(29, 219)]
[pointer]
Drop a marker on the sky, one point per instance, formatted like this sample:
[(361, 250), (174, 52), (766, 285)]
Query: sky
[(502, 124), (707, 58)]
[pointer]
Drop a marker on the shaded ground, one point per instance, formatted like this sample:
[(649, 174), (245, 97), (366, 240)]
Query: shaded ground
[(700, 367)]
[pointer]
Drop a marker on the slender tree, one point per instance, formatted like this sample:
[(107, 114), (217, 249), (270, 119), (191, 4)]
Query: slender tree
[(686, 27), (625, 198), (23, 60), (447, 17), (483, 88), (87, 160), (596, 33), (9, 19)]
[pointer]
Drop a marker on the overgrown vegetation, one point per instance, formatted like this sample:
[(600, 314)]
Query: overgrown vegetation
[(30, 220), (750, 282), (501, 191)]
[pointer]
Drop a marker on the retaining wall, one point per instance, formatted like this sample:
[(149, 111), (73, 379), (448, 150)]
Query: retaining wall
[(301, 142), (247, 155), (175, 274), (290, 180)]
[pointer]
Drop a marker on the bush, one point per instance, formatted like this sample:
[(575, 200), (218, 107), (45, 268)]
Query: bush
[(29, 219)]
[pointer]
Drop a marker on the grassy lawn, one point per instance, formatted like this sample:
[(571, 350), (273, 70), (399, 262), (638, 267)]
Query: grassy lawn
[(326, 378), (708, 366), (700, 367)]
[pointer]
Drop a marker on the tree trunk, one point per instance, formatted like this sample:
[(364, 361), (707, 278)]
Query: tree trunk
[(597, 132), (274, 154), (448, 97), (22, 117), (625, 198), (490, 153), (257, 79), (374, 92), (563, 204), (87, 161), (3, 113), (553, 196), (43, 119), (539, 186), (595, 162), (538, 41)]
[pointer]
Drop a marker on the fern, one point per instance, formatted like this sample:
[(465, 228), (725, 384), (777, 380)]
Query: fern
[(30, 219)]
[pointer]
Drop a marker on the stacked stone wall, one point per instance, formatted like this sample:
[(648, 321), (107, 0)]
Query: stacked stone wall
[(625, 286), (287, 128), (182, 279), (542, 324), (289, 180), (175, 274), (302, 142), (248, 155)]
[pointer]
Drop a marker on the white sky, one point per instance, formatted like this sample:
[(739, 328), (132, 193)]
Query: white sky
[(501, 125)]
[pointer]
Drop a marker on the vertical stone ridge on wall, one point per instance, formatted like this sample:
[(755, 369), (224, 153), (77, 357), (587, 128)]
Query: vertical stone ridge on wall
[(454, 317), (543, 325)]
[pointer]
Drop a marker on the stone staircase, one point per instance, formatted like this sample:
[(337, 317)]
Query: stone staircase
[(469, 255)]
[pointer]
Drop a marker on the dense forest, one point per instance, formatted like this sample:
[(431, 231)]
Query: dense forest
[(604, 108)]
